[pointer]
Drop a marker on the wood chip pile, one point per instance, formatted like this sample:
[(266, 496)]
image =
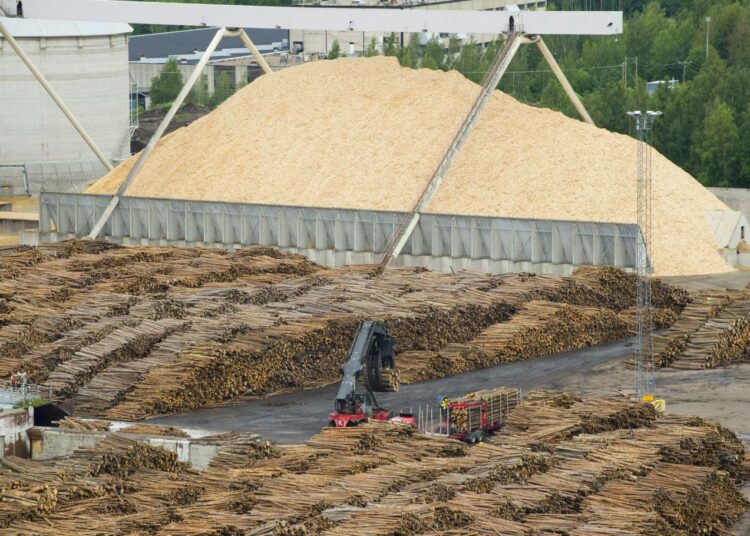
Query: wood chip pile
[(564, 466), (560, 168), (132, 332)]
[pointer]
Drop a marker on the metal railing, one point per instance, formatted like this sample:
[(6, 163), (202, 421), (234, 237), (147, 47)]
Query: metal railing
[(57, 175), (24, 174), (14, 393)]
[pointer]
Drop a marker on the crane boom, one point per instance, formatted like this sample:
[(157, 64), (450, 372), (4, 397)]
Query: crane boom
[(372, 362)]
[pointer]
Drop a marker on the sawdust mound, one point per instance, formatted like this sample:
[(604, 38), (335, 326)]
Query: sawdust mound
[(367, 133)]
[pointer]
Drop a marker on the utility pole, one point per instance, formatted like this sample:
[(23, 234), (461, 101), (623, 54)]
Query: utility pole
[(708, 29), (636, 71), (644, 354), (684, 68), (625, 72)]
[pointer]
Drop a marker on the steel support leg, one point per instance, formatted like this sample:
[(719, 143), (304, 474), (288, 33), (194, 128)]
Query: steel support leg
[(492, 79), (256, 53), (102, 221), (563, 81)]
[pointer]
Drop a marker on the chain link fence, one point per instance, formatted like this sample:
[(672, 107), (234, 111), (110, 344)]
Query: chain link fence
[(70, 176)]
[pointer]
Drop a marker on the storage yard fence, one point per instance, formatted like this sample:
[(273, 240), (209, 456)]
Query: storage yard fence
[(336, 237)]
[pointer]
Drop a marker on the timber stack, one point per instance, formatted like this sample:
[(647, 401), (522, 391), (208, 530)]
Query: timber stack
[(130, 332), (583, 466), (713, 329)]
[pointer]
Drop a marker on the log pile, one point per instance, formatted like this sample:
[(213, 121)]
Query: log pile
[(609, 287), (499, 402), (154, 430), (660, 475), (130, 332), (712, 330), (92, 425), (539, 328)]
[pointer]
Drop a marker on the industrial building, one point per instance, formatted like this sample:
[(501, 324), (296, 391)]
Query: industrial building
[(148, 53), (87, 64), (354, 42), (361, 299)]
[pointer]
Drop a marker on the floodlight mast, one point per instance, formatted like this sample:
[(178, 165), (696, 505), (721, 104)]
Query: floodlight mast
[(644, 353)]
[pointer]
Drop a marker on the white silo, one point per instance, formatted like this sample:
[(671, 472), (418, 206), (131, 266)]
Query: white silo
[(87, 65)]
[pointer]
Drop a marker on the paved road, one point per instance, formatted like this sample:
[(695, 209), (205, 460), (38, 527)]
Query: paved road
[(294, 417)]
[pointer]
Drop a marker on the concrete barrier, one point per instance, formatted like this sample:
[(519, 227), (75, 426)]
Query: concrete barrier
[(334, 237), (48, 443), (14, 424)]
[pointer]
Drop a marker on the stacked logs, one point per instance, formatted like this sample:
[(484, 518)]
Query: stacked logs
[(539, 328), (607, 286), (72, 423), (713, 330), (154, 430), (131, 332), (665, 476), (497, 404)]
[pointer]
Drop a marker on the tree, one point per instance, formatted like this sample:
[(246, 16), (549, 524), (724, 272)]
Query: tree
[(744, 153), (718, 146), (335, 51), (222, 89), (468, 61), (390, 45), (199, 93), (433, 56), (608, 106), (372, 48), (408, 56), (166, 86)]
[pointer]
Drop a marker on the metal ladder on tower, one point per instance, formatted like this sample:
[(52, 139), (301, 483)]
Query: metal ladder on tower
[(404, 228)]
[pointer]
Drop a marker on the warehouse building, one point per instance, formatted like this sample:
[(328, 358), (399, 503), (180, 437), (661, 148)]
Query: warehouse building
[(86, 64), (147, 55)]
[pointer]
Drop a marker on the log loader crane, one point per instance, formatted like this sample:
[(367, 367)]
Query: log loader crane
[(372, 363)]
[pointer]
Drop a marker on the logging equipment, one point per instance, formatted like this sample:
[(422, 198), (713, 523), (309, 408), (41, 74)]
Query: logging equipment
[(478, 415), (371, 361)]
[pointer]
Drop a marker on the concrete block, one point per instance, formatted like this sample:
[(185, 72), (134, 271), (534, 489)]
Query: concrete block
[(59, 442), (731, 256), (29, 238), (14, 424)]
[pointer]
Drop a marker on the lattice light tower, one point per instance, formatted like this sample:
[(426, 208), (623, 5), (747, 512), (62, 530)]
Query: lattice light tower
[(644, 354)]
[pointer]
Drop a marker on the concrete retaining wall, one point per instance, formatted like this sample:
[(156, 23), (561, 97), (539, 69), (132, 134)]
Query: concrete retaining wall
[(334, 237), (48, 443), (14, 424)]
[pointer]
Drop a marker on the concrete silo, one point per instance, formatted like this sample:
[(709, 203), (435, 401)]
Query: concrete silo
[(87, 65)]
